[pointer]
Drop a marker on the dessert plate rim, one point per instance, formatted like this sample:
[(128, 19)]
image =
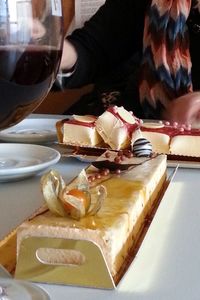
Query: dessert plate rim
[(18, 161), (31, 130)]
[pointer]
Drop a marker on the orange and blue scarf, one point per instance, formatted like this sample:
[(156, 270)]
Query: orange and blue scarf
[(166, 65)]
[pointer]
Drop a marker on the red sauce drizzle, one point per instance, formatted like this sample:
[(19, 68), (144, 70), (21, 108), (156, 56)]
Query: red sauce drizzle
[(173, 131), (79, 123), (129, 127)]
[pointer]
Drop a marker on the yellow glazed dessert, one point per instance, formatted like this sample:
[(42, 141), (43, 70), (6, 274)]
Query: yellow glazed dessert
[(132, 186)]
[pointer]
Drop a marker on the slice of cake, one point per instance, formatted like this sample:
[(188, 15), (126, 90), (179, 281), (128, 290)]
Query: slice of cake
[(116, 126), (185, 142), (157, 135), (132, 187), (173, 139), (78, 131)]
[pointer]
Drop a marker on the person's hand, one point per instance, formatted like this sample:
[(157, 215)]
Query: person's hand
[(38, 30), (184, 110)]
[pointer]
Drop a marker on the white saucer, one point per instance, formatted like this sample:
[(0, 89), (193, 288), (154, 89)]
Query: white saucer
[(31, 130), (18, 290), (19, 161)]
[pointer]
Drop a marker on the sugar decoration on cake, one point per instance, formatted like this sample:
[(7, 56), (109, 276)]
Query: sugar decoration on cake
[(73, 200), (142, 147)]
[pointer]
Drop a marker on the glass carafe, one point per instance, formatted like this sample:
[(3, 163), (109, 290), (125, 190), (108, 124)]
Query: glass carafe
[(31, 39)]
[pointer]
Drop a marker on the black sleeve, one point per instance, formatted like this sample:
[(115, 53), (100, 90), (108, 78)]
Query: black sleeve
[(110, 37)]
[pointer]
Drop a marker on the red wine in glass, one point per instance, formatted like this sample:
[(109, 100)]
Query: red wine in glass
[(30, 54)]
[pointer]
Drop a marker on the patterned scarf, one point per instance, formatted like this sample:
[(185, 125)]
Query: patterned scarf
[(166, 65)]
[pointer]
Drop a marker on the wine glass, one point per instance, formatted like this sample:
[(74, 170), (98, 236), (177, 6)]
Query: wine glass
[(31, 40)]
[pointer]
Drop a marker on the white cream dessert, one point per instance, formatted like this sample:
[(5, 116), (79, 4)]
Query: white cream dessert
[(158, 137), (78, 131), (131, 194), (118, 129), (116, 126), (186, 144), (172, 139)]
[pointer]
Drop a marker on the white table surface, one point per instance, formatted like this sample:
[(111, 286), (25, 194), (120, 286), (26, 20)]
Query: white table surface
[(167, 265)]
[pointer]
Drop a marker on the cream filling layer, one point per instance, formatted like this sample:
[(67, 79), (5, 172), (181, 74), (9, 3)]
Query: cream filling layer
[(186, 145), (160, 141), (80, 135)]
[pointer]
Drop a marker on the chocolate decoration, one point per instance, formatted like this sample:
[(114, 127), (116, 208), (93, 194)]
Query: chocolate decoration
[(142, 148), (112, 166)]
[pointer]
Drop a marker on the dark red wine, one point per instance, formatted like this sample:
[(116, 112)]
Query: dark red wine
[(26, 75)]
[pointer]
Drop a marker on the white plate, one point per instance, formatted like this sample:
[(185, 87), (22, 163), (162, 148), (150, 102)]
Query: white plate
[(19, 161), (31, 130), (18, 290)]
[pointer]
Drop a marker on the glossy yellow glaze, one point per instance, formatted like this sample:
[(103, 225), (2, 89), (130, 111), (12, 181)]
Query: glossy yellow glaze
[(121, 194)]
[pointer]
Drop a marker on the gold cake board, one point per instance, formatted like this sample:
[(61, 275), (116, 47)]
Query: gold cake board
[(8, 252), (93, 272), (8, 246)]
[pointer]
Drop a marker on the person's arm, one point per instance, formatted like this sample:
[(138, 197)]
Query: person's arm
[(69, 56), (186, 109), (111, 36)]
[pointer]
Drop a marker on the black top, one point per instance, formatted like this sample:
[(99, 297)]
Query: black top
[(109, 49)]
